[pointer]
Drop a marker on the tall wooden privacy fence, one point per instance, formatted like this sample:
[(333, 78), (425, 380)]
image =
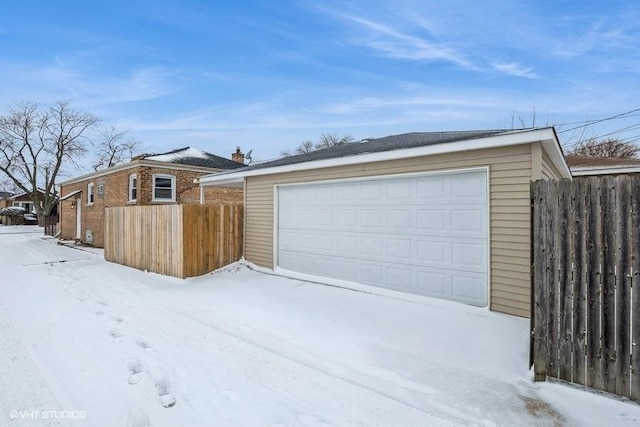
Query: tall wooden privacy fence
[(176, 240), (586, 278)]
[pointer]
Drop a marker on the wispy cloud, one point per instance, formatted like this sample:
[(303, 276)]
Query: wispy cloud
[(403, 45), (515, 69)]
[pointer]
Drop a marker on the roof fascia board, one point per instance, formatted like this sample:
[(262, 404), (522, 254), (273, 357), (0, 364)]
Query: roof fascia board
[(547, 136), (138, 163), (605, 170), (554, 150)]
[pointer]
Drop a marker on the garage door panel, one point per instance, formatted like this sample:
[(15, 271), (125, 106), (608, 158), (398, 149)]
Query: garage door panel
[(467, 287), (371, 191), (373, 274), (434, 188), (401, 191), (468, 222), (433, 252), (416, 234), (402, 249), (370, 218), (401, 279), (434, 283), (466, 188), (469, 256)]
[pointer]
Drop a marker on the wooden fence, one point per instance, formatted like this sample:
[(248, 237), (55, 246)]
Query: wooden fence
[(51, 225), (586, 278), (176, 240)]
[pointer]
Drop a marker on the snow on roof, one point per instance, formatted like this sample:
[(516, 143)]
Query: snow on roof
[(193, 157), (175, 156), (73, 193)]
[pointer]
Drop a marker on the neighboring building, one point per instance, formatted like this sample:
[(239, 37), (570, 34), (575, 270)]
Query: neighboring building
[(145, 180), (4, 199), (441, 214), (585, 166), (22, 200)]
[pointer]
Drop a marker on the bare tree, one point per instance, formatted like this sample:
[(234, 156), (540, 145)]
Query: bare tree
[(303, 148), (8, 186), (112, 148), (331, 140), (326, 140), (35, 140), (611, 147)]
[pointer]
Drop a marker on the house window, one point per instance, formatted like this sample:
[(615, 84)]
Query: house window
[(164, 188), (133, 187), (28, 206), (101, 189), (90, 194)]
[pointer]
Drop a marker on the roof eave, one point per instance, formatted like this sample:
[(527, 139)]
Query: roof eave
[(139, 163), (604, 170), (547, 136)]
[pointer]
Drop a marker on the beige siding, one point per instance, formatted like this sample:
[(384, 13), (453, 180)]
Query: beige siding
[(549, 170), (510, 175)]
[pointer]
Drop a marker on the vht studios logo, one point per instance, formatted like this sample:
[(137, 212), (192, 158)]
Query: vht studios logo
[(48, 415)]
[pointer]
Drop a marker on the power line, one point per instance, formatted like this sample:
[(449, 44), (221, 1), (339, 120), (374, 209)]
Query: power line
[(592, 122)]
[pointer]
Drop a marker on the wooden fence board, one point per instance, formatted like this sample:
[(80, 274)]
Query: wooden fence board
[(594, 359), (540, 302), (608, 286), (565, 286), (579, 309), (553, 256), (635, 281), (623, 285)]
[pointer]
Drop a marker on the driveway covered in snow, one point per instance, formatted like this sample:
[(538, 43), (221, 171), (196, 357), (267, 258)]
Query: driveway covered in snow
[(87, 343)]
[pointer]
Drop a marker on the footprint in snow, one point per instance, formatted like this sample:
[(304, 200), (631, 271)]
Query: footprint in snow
[(135, 371), (163, 387), (137, 418), (115, 336), (628, 418), (143, 345), (102, 303), (99, 313)]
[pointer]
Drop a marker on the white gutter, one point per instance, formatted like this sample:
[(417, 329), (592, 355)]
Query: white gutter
[(604, 170), (547, 136)]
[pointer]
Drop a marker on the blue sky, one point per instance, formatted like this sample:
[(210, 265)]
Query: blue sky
[(268, 75)]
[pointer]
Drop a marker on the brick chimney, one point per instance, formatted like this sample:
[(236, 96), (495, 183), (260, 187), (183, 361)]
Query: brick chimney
[(238, 156)]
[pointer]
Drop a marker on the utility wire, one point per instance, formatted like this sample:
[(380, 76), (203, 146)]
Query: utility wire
[(592, 122)]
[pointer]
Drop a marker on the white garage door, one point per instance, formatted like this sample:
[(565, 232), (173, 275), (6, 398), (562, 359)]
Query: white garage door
[(424, 234)]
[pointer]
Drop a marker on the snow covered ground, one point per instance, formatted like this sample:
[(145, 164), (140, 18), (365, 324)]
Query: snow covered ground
[(87, 343)]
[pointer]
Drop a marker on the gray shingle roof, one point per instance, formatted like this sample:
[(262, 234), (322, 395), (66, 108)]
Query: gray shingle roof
[(193, 157), (377, 145)]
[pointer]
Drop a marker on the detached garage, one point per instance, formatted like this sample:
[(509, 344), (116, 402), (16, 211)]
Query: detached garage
[(440, 214)]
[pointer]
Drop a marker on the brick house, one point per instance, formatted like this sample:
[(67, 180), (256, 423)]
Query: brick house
[(22, 200), (167, 178)]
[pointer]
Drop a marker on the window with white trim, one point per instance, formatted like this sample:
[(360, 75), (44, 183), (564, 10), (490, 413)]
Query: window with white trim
[(164, 188), (90, 194), (133, 187), (28, 206)]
